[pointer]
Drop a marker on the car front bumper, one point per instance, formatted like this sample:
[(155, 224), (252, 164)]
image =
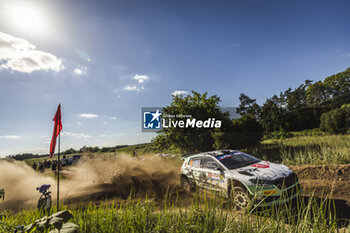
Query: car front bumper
[(277, 196)]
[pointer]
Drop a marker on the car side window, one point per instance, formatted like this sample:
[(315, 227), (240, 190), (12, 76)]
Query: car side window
[(209, 163), (194, 162)]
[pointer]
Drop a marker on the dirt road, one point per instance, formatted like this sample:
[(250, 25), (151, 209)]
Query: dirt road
[(150, 176), (323, 180)]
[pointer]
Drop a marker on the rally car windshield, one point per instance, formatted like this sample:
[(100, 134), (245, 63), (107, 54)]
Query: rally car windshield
[(237, 159)]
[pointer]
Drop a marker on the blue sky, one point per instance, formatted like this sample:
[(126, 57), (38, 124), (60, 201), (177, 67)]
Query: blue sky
[(104, 60)]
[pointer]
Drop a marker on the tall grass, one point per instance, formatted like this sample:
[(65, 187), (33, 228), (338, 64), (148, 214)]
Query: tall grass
[(331, 149), (206, 214)]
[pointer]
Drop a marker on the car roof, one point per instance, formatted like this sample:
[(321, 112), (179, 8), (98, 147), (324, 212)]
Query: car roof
[(215, 153)]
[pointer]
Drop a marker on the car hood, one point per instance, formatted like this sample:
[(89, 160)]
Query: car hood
[(265, 170)]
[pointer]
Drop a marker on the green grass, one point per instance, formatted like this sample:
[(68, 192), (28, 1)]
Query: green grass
[(203, 215), (206, 215), (302, 150)]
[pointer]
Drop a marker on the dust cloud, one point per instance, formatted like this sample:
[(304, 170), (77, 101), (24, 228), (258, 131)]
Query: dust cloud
[(20, 182), (118, 176), (113, 176)]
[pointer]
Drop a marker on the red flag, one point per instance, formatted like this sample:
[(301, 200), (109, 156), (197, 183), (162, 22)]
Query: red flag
[(56, 130)]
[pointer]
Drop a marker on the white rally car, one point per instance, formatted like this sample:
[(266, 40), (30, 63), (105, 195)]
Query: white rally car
[(241, 177)]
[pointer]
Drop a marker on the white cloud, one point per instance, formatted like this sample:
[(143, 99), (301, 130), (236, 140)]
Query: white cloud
[(102, 135), (234, 45), (113, 118), (177, 92), (80, 71), (130, 88), (79, 123), (17, 54), (140, 78), (136, 86), (10, 137), (76, 135), (88, 115)]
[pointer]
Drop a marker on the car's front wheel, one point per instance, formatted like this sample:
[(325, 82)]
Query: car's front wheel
[(241, 198)]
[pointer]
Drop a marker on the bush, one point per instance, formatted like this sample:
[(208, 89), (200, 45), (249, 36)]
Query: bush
[(336, 120), (221, 140), (246, 132)]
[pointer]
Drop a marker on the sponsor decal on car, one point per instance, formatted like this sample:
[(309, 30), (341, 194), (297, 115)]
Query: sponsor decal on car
[(215, 177), (261, 165), (269, 192), (224, 156), (229, 155)]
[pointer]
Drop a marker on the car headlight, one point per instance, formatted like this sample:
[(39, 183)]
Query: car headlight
[(261, 181)]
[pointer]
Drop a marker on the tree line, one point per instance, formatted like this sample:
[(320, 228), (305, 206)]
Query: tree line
[(323, 104), (302, 108), (84, 149)]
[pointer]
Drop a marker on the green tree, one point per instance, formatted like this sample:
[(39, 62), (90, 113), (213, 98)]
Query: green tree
[(247, 131), (295, 99), (272, 115), (317, 93), (248, 106), (338, 84), (200, 107), (70, 151), (334, 89), (336, 120)]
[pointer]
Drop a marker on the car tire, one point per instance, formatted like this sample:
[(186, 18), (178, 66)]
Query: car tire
[(187, 185), (241, 198)]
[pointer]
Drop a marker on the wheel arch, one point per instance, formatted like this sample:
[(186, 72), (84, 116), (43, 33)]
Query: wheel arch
[(183, 176), (234, 183), (185, 179)]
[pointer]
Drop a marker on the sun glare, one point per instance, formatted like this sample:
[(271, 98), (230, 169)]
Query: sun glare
[(26, 17)]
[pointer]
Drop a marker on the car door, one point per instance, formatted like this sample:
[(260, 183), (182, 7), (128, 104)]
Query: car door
[(194, 170), (212, 174)]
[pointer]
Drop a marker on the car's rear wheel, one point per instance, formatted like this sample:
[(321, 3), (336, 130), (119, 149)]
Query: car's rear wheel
[(187, 185), (241, 198)]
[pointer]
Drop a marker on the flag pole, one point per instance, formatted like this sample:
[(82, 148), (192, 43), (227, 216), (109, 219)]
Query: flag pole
[(57, 132), (58, 173)]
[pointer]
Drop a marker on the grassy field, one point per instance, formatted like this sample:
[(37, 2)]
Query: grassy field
[(304, 150), (208, 214)]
